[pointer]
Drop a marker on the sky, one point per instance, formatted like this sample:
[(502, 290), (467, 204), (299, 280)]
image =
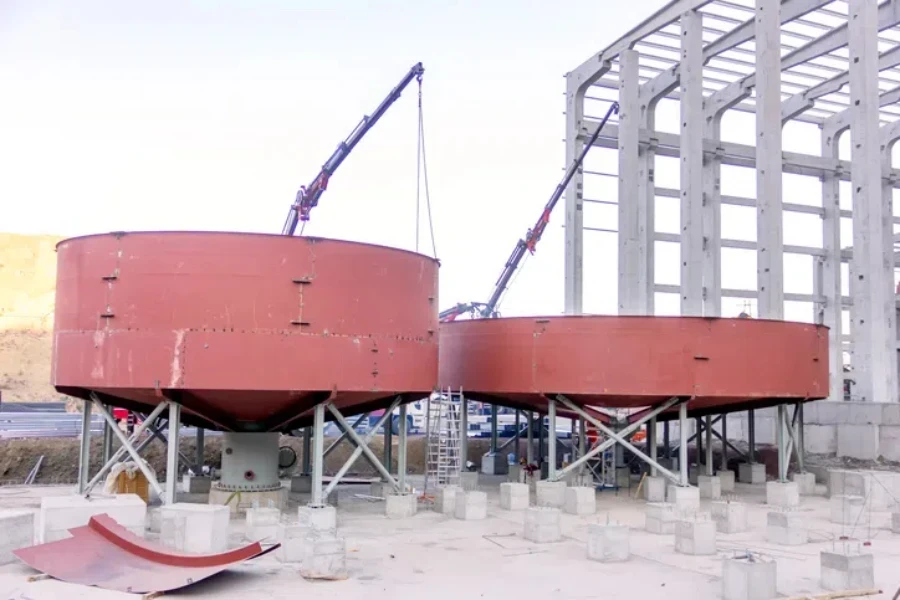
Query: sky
[(209, 115)]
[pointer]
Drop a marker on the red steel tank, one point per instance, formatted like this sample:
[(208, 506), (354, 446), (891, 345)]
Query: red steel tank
[(246, 331)]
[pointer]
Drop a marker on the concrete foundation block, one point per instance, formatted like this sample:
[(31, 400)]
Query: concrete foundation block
[(806, 483), (660, 517), (195, 484), (839, 571), (685, 499), (18, 532), (58, 514), (752, 473), (695, 536), (726, 481), (301, 484), (847, 510), (516, 474), (195, 528), (785, 494), (293, 539), (262, 523), (494, 464), (580, 501), (238, 504), (608, 543), (787, 528), (710, 486), (324, 557), (551, 493), (655, 489), (321, 519), (471, 506), (542, 525), (746, 579), (514, 496), (468, 480), (400, 506), (445, 499), (730, 517)]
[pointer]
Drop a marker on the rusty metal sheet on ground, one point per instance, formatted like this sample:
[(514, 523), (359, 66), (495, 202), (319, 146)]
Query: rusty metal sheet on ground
[(106, 555)]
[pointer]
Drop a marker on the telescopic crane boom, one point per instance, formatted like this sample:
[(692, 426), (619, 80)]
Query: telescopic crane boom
[(308, 196), (532, 237)]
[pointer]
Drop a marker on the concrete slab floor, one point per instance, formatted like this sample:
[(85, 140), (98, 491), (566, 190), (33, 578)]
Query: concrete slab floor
[(436, 555)]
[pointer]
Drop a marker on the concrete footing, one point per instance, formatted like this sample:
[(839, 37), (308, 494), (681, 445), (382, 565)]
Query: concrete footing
[(195, 528), (655, 489), (710, 486), (292, 539), (400, 506), (468, 481), (551, 493), (752, 473), (18, 532), (726, 481), (608, 543), (445, 499), (471, 506), (685, 499), (806, 483), (58, 514), (749, 578), (317, 518), (696, 535), (301, 484), (494, 464), (195, 484), (730, 517), (839, 571), (542, 525), (847, 510), (786, 528), (324, 557), (782, 493), (241, 501), (514, 496), (580, 500), (660, 517), (262, 524)]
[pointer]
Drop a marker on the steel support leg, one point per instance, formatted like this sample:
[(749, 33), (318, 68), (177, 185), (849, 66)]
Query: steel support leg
[(318, 455), (84, 460), (107, 442), (667, 449), (493, 429), (200, 459), (682, 446), (709, 447), (801, 439), (540, 438), (389, 442), (172, 452), (551, 440), (401, 450), (651, 443), (582, 440), (751, 434), (780, 444), (307, 450), (698, 422), (724, 463), (529, 437), (518, 430)]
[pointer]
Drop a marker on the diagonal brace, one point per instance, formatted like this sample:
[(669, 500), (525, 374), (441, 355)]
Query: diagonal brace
[(344, 436), (362, 447)]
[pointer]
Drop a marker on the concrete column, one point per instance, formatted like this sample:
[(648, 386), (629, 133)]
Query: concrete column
[(84, 461), (574, 248), (647, 199), (682, 444), (551, 440), (829, 266), (172, 452), (634, 237), (691, 157), (874, 303), (651, 444), (318, 452), (529, 436), (401, 450), (712, 223), (769, 226)]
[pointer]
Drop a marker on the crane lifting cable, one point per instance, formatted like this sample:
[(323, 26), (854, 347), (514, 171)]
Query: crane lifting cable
[(532, 237), (422, 175), (308, 196)]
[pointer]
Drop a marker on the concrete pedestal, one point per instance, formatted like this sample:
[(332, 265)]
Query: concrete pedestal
[(710, 487), (749, 579), (322, 519), (445, 499), (542, 525), (895, 522), (839, 571), (551, 493), (516, 474), (655, 489), (194, 528), (514, 496), (241, 501), (685, 499), (471, 506), (660, 517), (195, 484), (262, 524), (324, 557), (784, 494), (806, 483), (293, 539), (786, 528), (494, 464), (58, 514), (468, 480), (608, 543), (730, 517), (751, 473), (18, 532), (695, 536), (580, 500), (726, 481), (301, 484), (847, 510), (400, 506)]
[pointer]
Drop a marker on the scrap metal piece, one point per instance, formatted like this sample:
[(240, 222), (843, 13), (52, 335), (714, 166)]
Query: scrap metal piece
[(106, 555)]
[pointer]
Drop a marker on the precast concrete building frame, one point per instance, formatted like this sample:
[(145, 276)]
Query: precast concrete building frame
[(833, 64)]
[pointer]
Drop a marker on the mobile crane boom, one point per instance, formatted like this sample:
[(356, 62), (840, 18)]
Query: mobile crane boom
[(532, 237), (308, 196)]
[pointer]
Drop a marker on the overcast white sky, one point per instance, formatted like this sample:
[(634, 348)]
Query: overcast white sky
[(209, 115)]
